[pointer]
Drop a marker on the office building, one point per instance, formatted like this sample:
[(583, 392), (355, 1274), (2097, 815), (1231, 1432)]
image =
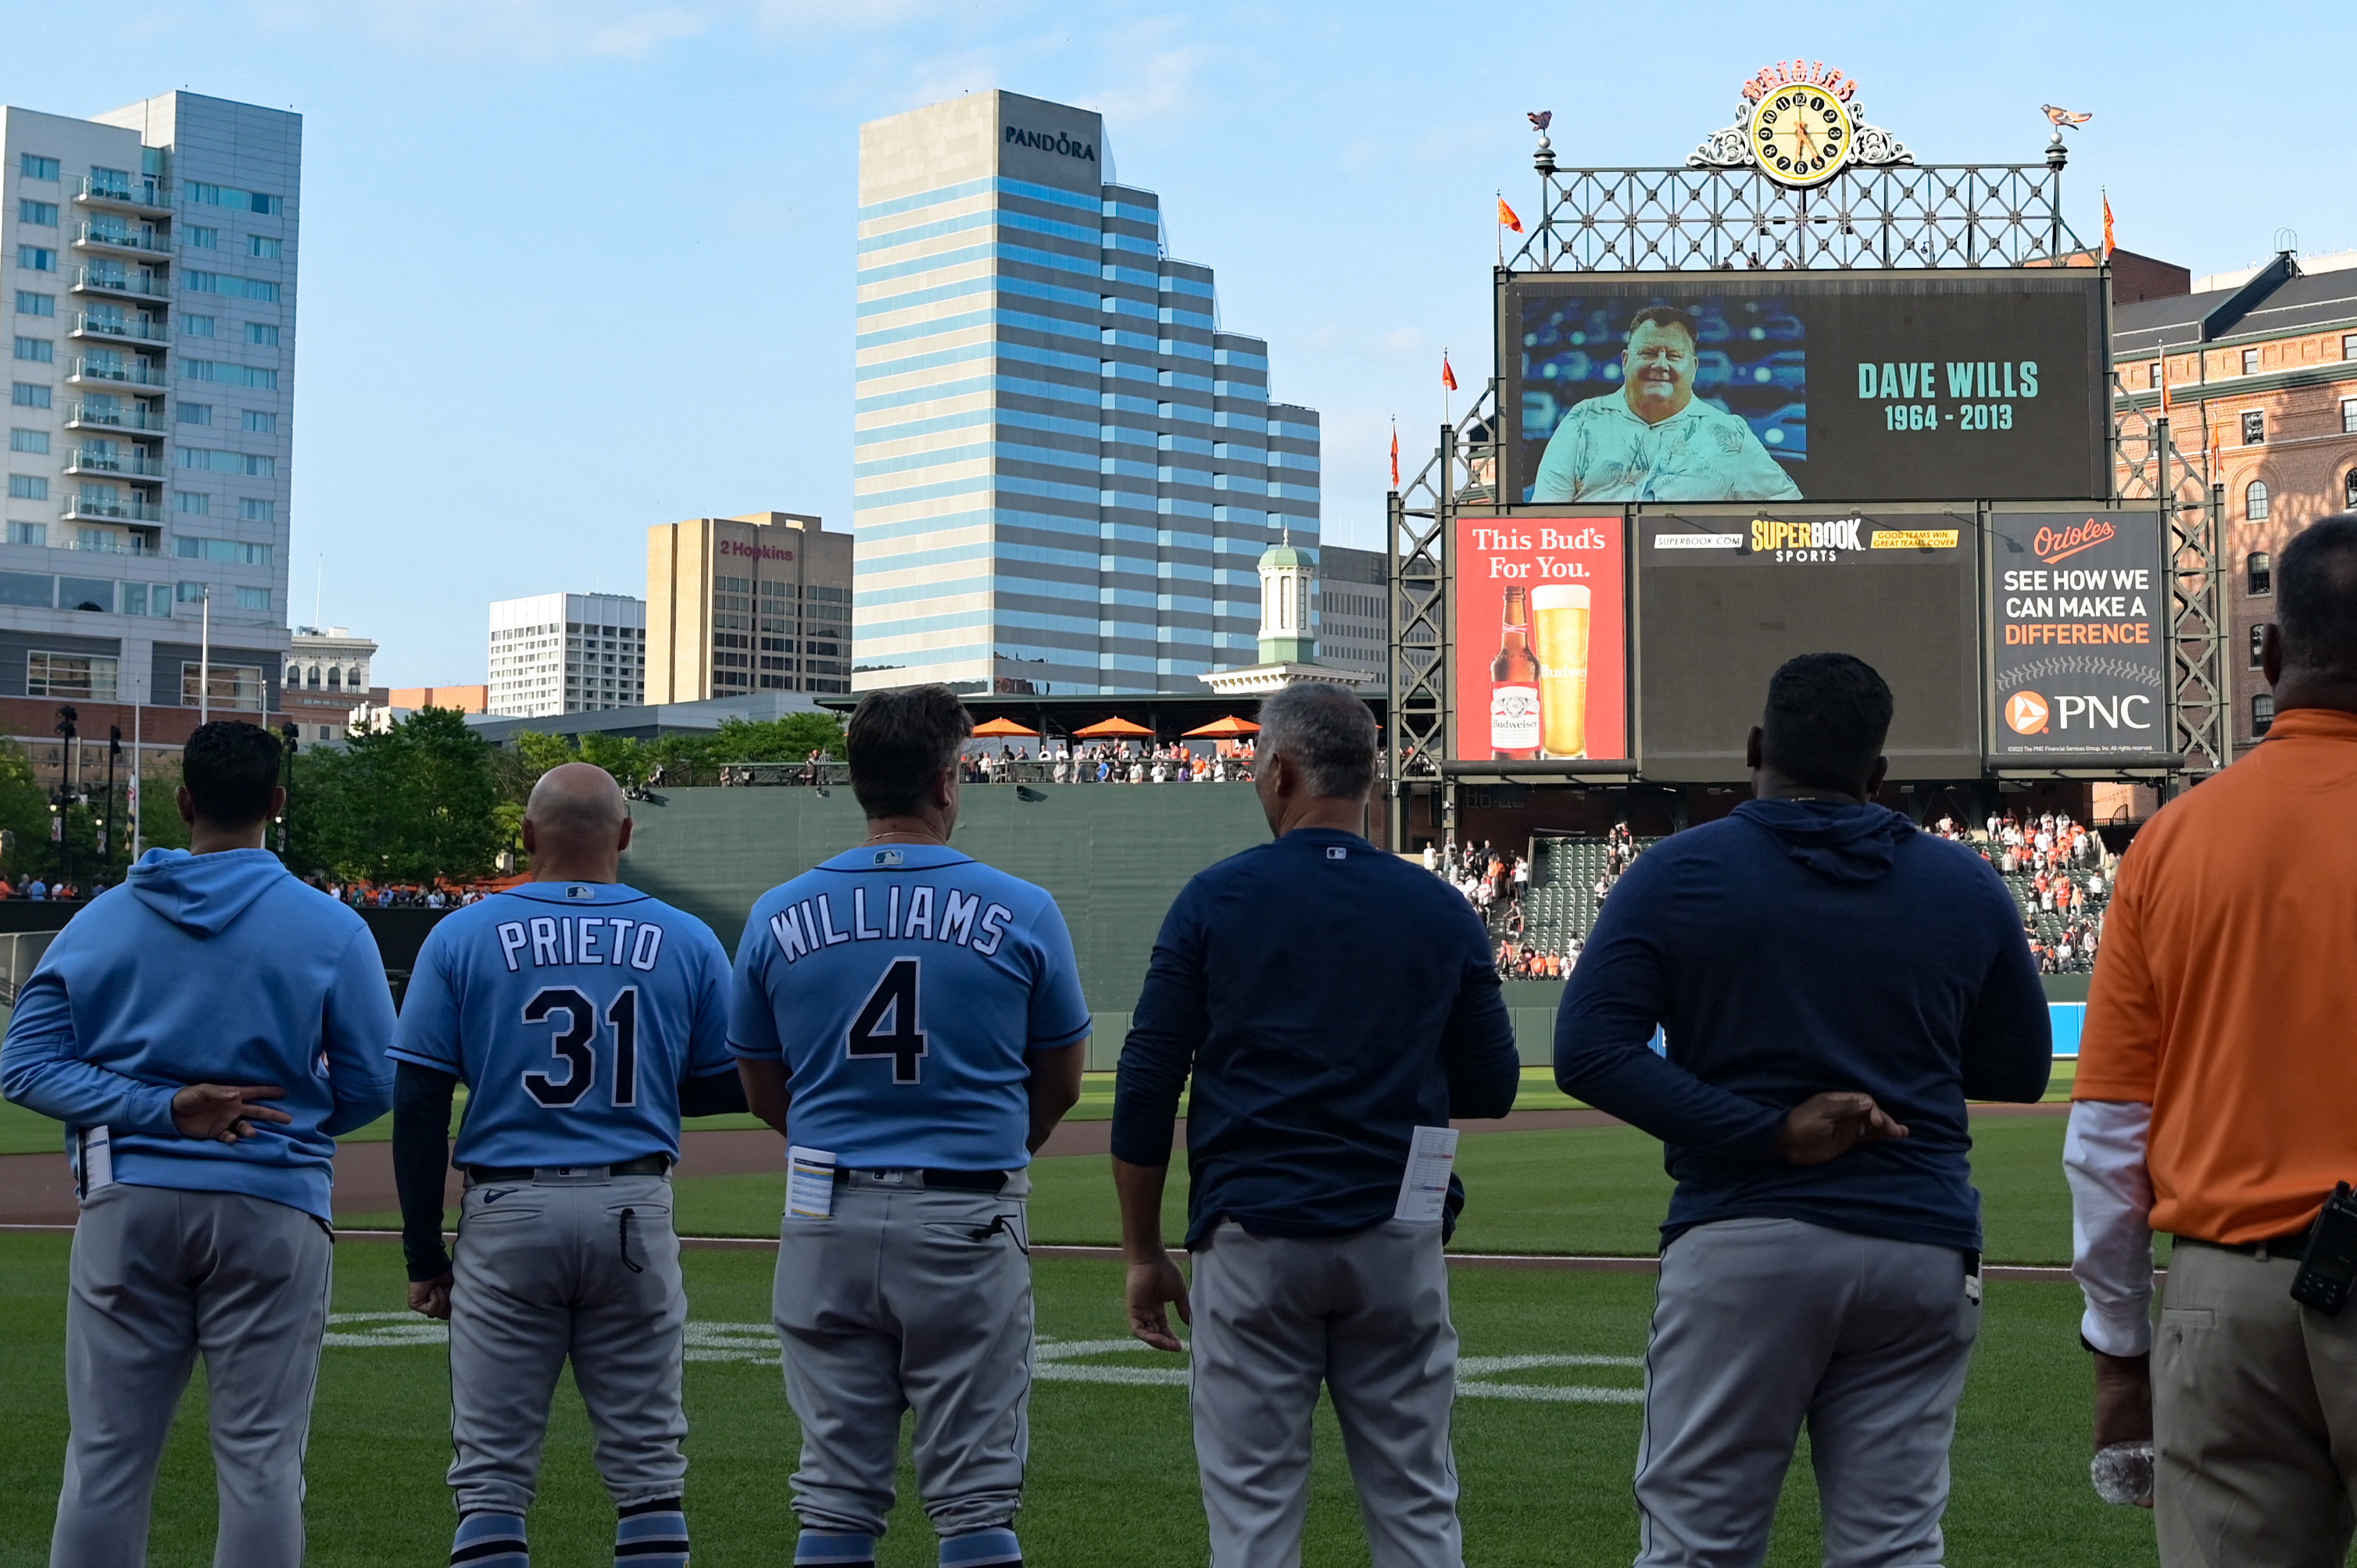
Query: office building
[(326, 676), (1353, 624), (743, 604), (567, 653), (457, 699), (147, 265), (1066, 471)]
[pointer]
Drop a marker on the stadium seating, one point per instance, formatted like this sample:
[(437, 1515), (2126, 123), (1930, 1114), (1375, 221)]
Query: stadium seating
[(1561, 903)]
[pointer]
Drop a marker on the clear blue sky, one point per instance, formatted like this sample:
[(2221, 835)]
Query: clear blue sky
[(571, 267)]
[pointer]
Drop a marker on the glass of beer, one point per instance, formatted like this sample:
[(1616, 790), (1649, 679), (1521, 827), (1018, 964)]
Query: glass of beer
[(1559, 627)]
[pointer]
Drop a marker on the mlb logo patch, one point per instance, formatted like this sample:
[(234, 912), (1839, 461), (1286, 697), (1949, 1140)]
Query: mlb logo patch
[(1338, 852), (577, 891), (885, 857)]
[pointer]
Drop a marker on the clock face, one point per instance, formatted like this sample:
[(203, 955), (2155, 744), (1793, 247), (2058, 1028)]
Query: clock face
[(1802, 135)]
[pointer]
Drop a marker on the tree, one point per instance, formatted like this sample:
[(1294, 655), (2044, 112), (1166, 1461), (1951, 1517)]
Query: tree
[(418, 801), (24, 813)]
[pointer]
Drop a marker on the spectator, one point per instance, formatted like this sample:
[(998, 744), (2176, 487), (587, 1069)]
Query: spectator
[(2215, 1099), (1311, 1072), (36, 888), (1820, 1258)]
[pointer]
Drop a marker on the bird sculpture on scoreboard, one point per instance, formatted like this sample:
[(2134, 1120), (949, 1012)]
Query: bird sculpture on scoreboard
[(1541, 120), (2066, 119)]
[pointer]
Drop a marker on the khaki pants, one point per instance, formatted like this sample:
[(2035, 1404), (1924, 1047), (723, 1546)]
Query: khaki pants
[(2255, 1411)]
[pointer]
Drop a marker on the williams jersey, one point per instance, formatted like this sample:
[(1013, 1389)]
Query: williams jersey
[(903, 985), (571, 1010)]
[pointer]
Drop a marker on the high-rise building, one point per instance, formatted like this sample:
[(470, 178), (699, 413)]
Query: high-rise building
[(1354, 630), (147, 262), (327, 677), (1066, 471), (739, 605), (567, 653)]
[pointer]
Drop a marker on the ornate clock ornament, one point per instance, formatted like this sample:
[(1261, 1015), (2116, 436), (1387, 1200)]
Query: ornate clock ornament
[(1799, 124)]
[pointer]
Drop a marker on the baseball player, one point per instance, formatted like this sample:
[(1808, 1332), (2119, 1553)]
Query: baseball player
[(924, 1012), (205, 1031), (585, 1019)]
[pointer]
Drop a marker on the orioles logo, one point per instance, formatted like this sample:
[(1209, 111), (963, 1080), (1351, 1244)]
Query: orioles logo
[(2026, 712)]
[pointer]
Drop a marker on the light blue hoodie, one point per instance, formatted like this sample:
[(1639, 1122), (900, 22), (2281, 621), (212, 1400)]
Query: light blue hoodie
[(207, 969)]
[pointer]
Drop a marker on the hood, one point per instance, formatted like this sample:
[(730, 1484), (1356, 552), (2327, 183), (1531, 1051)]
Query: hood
[(202, 893), (1837, 839)]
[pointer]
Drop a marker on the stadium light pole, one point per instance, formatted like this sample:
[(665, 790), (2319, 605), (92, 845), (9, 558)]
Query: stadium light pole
[(204, 652)]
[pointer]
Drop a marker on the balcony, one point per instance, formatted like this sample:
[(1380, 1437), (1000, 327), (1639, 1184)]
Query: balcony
[(131, 463), (143, 241), (120, 328), (117, 373), (132, 283), (101, 417), (144, 194), (112, 509)]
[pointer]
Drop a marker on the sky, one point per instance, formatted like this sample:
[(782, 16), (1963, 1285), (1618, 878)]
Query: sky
[(574, 267)]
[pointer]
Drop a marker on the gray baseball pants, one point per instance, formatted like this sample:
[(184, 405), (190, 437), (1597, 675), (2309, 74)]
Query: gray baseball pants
[(908, 1300), (1760, 1324), (159, 1277), (586, 1268), (1367, 1316)]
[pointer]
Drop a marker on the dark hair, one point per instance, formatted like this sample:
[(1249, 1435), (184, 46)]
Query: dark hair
[(2316, 598), (230, 768), (1827, 716), (899, 742), (1325, 731), (1666, 316)]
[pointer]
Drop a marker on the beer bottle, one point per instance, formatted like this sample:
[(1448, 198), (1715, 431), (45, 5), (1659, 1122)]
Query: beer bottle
[(1514, 685)]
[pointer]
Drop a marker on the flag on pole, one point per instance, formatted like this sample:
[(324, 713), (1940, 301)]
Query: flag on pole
[(1448, 375), (2109, 244), (1395, 454), (1506, 216)]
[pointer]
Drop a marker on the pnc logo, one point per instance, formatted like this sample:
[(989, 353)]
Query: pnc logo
[(2026, 712), (2053, 544)]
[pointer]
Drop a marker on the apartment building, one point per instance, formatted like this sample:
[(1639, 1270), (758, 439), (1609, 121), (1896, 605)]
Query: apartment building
[(567, 653)]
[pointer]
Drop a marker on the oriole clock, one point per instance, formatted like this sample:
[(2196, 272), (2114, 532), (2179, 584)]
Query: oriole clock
[(1801, 135)]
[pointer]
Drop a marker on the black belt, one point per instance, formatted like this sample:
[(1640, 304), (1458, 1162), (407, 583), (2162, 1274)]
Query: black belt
[(947, 1181), (2291, 1244), (646, 1164)]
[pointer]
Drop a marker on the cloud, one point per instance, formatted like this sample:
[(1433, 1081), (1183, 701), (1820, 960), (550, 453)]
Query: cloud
[(534, 30), (797, 15), (1161, 88), (646, 30)]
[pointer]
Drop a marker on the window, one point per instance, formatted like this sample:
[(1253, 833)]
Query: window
[(254, 599), (2258, 642), (232, 686), (258, 511), (2152, 374), (26, 395), (31, 590), (196, 413), (85, 675), (229, 375), (2262, 713), (252, 464), (232, 550), (203, 238), (94, 595), (32, 166), (2349, 491), (2254, 429), (196, 326), (29, 533), (27, 487), (32, 303), (262, 246), (190, 592), (233, 286), (2255, 501), (138, 600), (40, 350), (2349, 416), (260, 424), (2258, 574), (44, 213), (28, 441), (37, 259), (231, 196), (257, 332), (193, 502), (2250, 361)]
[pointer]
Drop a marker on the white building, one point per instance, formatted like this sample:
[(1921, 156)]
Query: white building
[(326, 676), (567, 653), (147, 264)]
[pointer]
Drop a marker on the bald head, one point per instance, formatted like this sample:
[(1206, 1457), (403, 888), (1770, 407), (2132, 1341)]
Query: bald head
[(577, 825)]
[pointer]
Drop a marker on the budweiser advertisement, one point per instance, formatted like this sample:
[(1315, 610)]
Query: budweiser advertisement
[(2080, 656), (1542, 662)]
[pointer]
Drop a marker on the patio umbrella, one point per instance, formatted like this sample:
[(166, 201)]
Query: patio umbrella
[(1229, 728), (1112, 727), (998, 727)]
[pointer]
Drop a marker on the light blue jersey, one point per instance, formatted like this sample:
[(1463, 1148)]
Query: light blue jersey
[(571, 1010), (903, 985)]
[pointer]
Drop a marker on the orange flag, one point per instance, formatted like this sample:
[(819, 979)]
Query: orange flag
[(1447, 376), (1394, 455), (1506, 216), (2108, 244)]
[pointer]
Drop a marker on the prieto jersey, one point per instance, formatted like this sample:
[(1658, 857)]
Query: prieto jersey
[(571, 1010), (903, 985)]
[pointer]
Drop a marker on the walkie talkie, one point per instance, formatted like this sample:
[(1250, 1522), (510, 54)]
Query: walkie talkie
[(2328, 1269)]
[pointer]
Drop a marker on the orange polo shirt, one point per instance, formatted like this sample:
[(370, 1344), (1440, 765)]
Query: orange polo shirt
[(2225, 988)]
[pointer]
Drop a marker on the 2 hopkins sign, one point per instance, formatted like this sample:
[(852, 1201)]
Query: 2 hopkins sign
[(2079, 645)]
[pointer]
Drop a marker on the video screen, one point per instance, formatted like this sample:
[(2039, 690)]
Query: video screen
[(1725, 598), (2077, 601), (1697, 387), (1542, 662)]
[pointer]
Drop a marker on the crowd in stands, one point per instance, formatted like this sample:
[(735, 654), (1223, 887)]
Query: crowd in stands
[(403, 896), (1124, 762), (2058, 871)]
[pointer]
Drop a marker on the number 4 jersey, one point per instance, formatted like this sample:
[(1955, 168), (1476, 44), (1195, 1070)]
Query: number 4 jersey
[(571, 1010), (902, 984)]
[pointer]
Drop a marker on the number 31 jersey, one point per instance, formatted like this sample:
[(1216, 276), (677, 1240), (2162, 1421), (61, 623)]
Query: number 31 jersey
[(571, 1010), (903, 985)]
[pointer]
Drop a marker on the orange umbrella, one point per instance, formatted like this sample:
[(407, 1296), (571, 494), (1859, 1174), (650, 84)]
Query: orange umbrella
[(995, 728), (1229, 728), (1111, 727)]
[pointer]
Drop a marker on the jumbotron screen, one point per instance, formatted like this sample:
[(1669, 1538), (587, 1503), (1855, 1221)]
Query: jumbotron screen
[(1855, 387), (1724, 598)]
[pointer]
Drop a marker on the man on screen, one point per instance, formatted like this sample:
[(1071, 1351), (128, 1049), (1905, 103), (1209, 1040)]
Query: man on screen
[(1651, 441)]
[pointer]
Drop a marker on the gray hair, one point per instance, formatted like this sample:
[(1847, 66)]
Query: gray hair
[(1326, 733)]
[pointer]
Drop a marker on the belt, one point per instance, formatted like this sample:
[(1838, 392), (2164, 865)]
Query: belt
[(2290, 1244), (646, 1164), (946, 1181)]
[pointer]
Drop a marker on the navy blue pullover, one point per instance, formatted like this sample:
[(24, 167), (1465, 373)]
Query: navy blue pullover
[(1328, 998), (1797, 947)]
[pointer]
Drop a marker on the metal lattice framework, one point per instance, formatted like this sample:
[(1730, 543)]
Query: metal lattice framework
[(2151, 466)]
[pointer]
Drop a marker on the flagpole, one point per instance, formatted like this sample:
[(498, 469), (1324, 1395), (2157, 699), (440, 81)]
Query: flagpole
[(1444, 384), (1500, 228)]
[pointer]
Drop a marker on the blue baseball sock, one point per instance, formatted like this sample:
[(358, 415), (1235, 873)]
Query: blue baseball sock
[(650, 1535), (981, 1549), (834, 1549), (490, 1540)]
